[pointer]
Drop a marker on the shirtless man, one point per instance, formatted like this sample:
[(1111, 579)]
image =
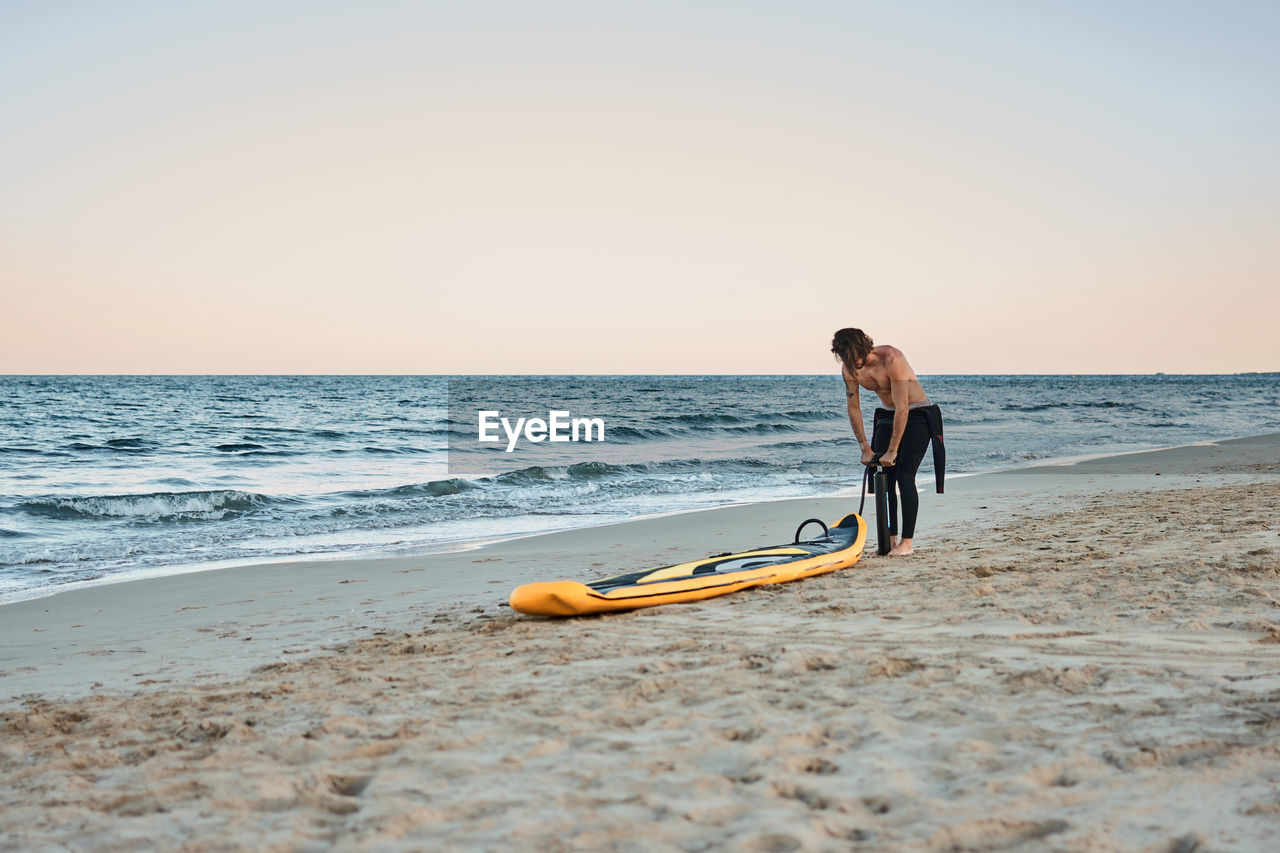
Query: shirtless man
[(902, 429)]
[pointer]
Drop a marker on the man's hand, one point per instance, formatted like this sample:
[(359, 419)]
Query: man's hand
[(888, 458), (867, 455)]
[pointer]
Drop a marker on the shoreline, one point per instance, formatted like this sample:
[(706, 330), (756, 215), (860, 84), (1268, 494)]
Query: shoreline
[(78, 641), (1080, 657), (142, 574)]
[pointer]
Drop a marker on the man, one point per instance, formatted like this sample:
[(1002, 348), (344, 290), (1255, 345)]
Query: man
[(902, 429)]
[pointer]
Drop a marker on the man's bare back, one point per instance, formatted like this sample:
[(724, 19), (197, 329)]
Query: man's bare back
[(885, 371)]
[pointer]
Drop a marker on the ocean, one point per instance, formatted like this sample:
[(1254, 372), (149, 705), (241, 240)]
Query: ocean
[(105, 478)]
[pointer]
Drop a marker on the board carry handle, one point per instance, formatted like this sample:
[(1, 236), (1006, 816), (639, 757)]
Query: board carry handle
[(825, 532)]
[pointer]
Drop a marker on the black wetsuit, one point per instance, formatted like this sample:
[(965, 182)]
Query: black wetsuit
[(923, 423)]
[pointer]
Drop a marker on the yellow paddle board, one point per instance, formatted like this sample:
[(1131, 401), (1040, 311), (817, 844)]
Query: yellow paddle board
[(839, 546)]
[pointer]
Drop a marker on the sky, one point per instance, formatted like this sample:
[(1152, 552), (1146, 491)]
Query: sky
[(658, 187)]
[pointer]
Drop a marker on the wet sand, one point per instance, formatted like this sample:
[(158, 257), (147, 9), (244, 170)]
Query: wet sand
[(1080, 657)]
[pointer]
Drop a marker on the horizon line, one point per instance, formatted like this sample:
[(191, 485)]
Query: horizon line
[(510, 375)]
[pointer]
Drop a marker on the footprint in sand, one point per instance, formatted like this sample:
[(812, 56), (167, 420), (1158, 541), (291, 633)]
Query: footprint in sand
[(994, 834)]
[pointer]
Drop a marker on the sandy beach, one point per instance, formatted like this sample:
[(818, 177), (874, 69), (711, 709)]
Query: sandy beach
[(1080, 657)]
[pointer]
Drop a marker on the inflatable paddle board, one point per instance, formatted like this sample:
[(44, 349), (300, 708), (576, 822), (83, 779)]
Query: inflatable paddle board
[(838, 547)]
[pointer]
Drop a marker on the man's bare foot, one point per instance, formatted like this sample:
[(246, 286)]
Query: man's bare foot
[(902, 549)]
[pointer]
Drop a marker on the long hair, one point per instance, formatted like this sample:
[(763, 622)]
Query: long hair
[(851, 346)]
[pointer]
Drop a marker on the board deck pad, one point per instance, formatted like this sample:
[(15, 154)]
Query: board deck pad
[(698, 579)]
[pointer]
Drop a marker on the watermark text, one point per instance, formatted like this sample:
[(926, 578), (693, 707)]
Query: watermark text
[(558, 426)]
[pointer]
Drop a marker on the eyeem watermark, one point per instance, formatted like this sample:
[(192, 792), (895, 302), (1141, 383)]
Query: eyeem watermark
[(558, 426)]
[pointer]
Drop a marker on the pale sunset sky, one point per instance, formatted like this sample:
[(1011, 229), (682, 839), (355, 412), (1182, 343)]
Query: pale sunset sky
[(657, 187)]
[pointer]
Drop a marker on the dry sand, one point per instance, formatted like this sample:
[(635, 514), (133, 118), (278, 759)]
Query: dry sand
[(1081, 657)]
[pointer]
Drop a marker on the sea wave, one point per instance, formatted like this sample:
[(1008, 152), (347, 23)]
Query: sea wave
[(130, 443), (709, 426), (760, 429), (640, 433), (24, 451), (117, 445), (700, 418), (1068, 404), (432, 489), (592, 470), (633, 477), (811, 415), (523, 477), (153, 506)]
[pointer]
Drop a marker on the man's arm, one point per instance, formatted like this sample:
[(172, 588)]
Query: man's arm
[(855, 414), (899, 377)]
